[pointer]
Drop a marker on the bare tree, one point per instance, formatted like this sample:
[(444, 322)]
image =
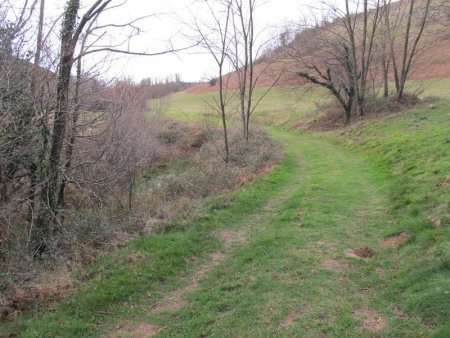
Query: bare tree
[(362, 45), (244, 50), (71, 32), (75, 37), (338, 52), (406, 21), (215, 39)]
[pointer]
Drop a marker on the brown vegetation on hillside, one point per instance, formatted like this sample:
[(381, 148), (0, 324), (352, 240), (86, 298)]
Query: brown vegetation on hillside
[(431, 62)]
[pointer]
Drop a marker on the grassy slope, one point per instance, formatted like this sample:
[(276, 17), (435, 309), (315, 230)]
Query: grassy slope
[(414, 151), (282, 107), (322, 200)]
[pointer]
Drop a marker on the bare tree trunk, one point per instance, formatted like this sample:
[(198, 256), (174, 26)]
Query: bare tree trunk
[(217, 43), (410, 42), (385, 64), (69, 38), (391, 38), (73, 136), (244, 36), (385, 55), (350, 27), (405, 51), (251, 41), (37, 60), (361, 68), (411, 53), (223, 113)]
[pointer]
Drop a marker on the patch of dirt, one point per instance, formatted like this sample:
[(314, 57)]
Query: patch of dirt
[(436, 222), (170, 303), (380, 272), (371, 319), (331, 249), (401, 314), (135, 258), (135, 330), (444, 182), (363, 293), (230, 238), (214, 260), (336, 265), (360, 253), (290, 318), (395, 240), (174, 300)]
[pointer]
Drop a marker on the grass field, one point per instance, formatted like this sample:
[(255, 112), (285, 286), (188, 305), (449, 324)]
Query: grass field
[(281, 107), (279, 258)]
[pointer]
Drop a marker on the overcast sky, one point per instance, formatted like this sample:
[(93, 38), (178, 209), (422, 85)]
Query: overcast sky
[(168, 25)]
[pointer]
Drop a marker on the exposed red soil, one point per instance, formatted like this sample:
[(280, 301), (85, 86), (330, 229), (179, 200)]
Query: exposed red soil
[(395, 240), (360, 253)]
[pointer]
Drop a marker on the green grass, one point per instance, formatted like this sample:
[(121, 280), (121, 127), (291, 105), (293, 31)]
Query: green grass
[(291, 276), (413, 149), (281, 107)]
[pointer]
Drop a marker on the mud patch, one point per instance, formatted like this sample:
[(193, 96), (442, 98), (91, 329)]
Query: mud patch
[(336, 265), (231, 238), (371, 320), (395, 240), (135, 330), (174, 300), (360, 253)]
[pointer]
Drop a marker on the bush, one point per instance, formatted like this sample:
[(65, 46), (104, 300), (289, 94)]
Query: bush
[(212, 81)]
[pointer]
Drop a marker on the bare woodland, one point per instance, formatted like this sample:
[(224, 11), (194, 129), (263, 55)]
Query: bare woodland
[(353, 48), (78, 151)]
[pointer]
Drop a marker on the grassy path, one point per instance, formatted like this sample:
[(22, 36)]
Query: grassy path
[(274, 264), (293, 276)]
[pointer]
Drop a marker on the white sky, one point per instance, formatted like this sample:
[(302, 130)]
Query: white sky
[(168, 25)]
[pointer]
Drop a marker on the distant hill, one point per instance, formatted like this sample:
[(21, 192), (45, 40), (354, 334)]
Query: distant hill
[(433, 62)]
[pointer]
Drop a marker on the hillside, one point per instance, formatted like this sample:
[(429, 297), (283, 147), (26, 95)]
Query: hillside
[(429, 64)]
